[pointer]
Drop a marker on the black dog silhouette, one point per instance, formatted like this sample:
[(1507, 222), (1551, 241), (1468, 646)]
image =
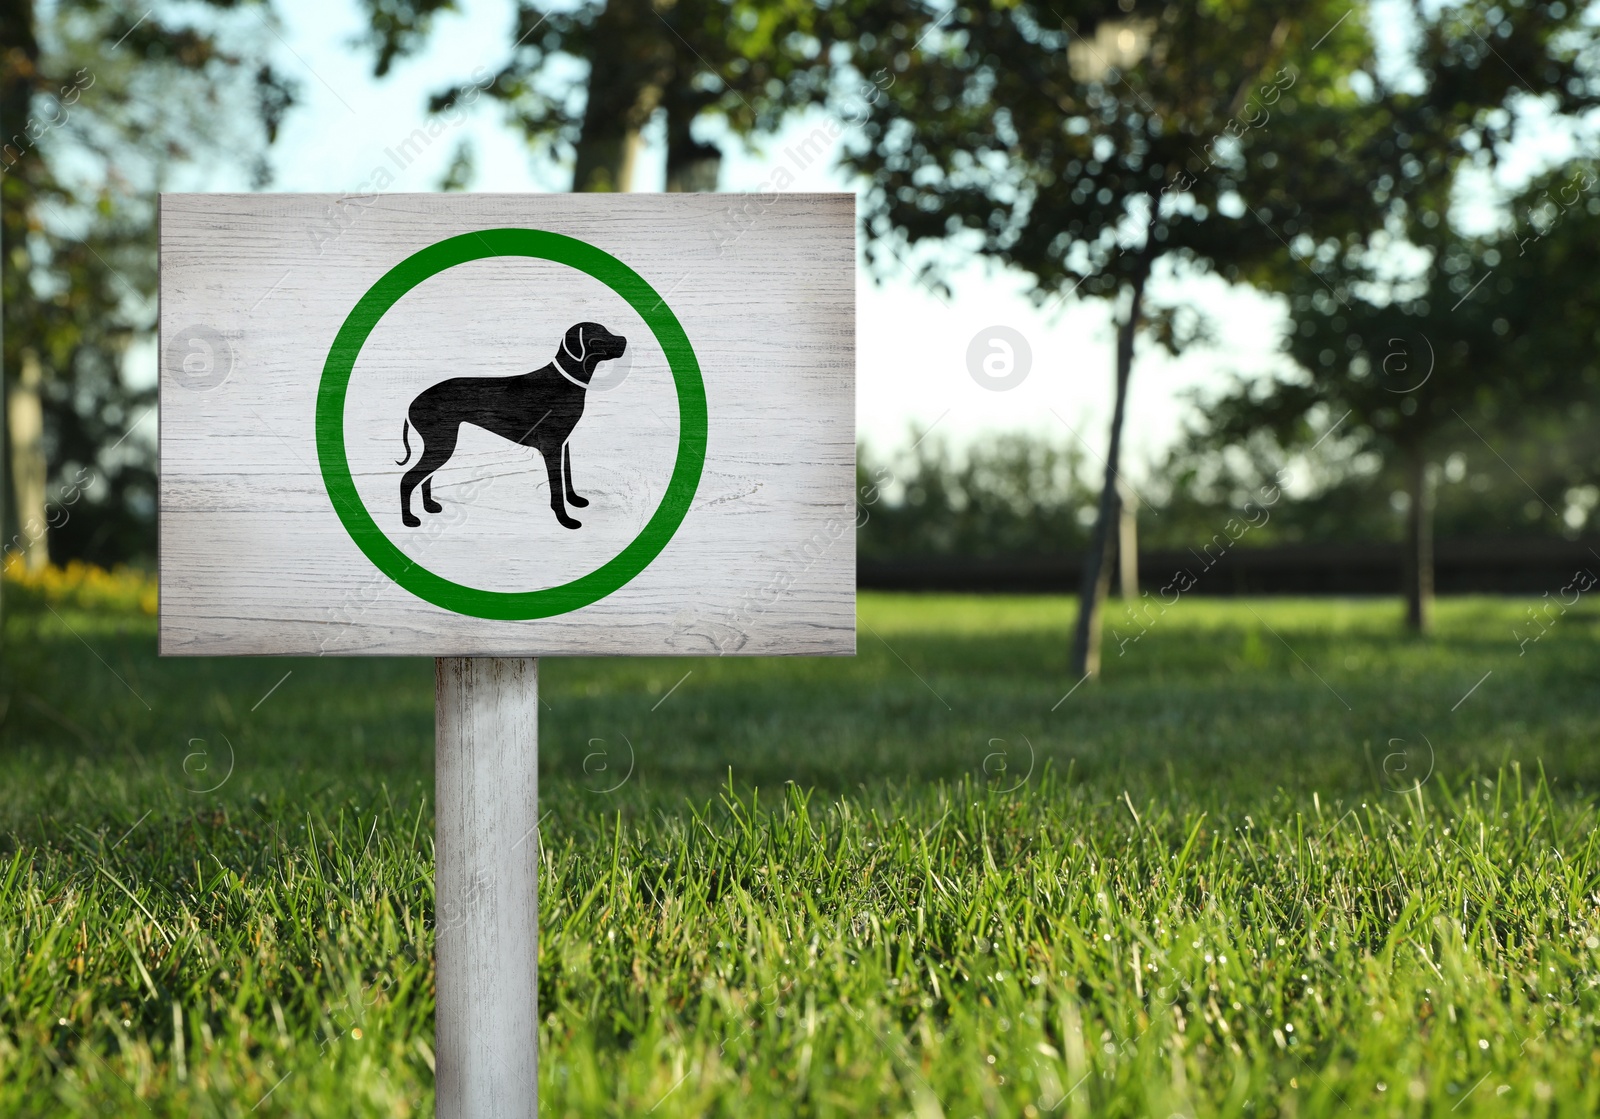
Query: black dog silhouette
[(537, 409)]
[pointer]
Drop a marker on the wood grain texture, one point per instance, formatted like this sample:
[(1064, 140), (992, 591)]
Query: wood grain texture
[(486, 946), (254, 559)]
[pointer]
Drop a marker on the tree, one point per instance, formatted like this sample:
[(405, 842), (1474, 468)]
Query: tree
[(98, 107), (1217, 136), (1236, 137), (1488, 333), (1479, 78), (746, 62)]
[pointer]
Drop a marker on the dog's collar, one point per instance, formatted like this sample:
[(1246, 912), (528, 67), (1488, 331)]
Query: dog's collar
[(562, 369)]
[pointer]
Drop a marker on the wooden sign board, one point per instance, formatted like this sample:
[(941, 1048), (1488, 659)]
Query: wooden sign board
[(507, 425)]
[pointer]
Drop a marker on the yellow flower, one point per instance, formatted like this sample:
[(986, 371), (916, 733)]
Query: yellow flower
[(82, 585)]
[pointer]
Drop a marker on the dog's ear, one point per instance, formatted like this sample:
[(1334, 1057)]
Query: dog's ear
[(576, 343)]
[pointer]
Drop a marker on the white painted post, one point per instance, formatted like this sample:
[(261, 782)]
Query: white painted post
[(486, 732)]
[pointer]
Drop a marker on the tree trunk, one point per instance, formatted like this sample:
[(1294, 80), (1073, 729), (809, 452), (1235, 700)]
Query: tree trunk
[(691, 165), (693, 169), (1419, 543), (1128, 542), (1097, 563), (625, 81), (606, 162), (25, 419), (18, 76)]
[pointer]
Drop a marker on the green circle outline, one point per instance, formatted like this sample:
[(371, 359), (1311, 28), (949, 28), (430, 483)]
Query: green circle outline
[(686, 470)]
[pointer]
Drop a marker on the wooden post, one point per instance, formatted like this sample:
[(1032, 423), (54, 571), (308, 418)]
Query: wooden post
[(486, 847)]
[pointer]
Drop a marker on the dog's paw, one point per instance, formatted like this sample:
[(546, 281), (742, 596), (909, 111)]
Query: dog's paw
[(411, 520), (431, 505), (580, 502), (568, 522)]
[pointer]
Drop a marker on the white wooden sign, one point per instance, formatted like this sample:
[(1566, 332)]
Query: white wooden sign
[(507, 425)]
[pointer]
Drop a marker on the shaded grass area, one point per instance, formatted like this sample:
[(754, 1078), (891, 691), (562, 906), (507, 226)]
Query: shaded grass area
[(1281, 860)]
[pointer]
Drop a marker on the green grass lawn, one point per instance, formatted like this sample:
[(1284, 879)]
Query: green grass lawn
[(1278, 861)]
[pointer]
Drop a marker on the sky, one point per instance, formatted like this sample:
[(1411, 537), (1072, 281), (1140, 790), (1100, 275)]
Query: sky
[(921, 357)]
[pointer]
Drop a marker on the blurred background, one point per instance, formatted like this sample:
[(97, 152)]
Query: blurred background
[(1126, 267)]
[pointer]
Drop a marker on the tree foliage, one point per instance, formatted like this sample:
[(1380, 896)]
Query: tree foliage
[(580, 85), (1486, 329), (1013, 495), (101, 106)]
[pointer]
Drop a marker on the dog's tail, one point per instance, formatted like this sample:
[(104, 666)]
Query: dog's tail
[(405, 436)]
